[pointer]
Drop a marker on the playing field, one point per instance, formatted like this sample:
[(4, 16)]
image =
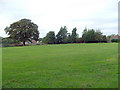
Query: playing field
[(61, 66)]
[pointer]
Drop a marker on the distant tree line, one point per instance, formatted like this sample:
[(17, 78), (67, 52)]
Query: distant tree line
[(62, 37), (24, 30), (92, 36), (88, 36)]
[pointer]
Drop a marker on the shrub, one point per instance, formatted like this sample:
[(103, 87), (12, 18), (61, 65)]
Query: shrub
[(115, 40)]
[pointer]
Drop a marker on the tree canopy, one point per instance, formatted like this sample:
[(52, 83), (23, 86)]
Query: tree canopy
[(92, 36), (23, 30), (74, 35), (62, 35), (50, 38)]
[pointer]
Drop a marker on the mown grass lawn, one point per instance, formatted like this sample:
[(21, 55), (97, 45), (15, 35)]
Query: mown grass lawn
[(61, 66)]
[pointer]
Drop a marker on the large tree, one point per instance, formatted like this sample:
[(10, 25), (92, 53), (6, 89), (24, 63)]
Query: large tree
[(62, 35), (50, 38), (23, 30)]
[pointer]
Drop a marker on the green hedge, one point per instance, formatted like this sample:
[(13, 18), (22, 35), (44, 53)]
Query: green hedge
[(115, 40)]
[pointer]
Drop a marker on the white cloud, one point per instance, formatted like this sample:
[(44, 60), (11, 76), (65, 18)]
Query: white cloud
[(50, 15)]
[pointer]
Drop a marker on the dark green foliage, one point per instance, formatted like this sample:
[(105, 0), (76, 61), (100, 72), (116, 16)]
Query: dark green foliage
[(50, 38), (74, 35), (84, 35), (62, 35), (98, 36), (23, 30), (7, 41), (90, 36), (115, 40)]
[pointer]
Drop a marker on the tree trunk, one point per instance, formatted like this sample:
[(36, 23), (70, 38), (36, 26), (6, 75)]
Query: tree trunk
[(23, 43)]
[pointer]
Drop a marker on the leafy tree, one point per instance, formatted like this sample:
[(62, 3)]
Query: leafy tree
[(62, 35), (74, 35), (88, 36), (7, 41), (23, 30), (98, 36), (50, 38), (84, 35), (91, 36), (115, 40)]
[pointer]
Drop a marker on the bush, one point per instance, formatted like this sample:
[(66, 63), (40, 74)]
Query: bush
[(6, 42), (115, 40)]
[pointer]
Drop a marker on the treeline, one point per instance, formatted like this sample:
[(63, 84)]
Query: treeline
[(62, 37), (88, 36), (6, 42), (92, 36), (24, 32)]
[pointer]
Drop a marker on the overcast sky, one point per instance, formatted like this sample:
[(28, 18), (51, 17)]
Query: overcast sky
[(50, 15)]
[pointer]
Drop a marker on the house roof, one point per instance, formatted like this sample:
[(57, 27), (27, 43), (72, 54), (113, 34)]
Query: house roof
[(115, 37)]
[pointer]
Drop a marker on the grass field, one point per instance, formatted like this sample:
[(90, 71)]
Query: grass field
[(61, 66)]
